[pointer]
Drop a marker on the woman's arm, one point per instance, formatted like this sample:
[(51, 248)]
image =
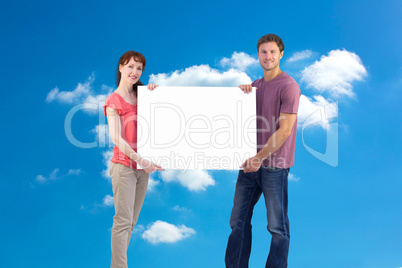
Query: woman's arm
[(114, 123)]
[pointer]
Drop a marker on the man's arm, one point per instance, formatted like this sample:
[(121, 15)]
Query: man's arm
[(286, 122)]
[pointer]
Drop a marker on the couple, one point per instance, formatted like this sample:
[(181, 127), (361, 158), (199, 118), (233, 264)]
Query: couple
[(265, 173)]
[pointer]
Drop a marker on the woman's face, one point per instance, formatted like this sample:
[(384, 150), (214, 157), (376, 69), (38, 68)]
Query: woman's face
[(131, 72)]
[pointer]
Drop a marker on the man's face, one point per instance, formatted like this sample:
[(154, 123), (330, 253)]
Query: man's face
[(269, 55)]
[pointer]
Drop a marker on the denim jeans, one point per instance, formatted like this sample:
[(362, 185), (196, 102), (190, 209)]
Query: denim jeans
[(273, 183)]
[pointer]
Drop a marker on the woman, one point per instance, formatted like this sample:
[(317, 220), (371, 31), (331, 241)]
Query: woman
[(129, 183)]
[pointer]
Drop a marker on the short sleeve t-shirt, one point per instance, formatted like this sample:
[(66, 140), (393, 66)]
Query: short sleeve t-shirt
[(280, 95), (128, 120)]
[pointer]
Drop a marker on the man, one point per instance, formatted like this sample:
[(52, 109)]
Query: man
[(267, 172)]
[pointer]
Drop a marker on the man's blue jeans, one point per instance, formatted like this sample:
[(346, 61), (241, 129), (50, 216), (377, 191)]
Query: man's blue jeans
[(273, 183)]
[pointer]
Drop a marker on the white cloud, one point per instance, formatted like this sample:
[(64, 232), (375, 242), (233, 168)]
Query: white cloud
[(169, 175), (293, 178), (52, 94), (139, 228), (108, 201), (82, 90), (317, 110), (82, 94), (94, 104), (201, 75), (335, 73), (54, 175), (179, 208), (102, 134), (163, 232), (194, 180), (107, 156), (40, 179), (74, 172), (152, 183), (239, 61), (301, 55)]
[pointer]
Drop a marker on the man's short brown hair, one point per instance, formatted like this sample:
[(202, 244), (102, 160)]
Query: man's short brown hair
[(271, 38)]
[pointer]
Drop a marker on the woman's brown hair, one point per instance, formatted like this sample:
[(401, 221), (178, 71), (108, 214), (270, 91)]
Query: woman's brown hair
[(124, 59)]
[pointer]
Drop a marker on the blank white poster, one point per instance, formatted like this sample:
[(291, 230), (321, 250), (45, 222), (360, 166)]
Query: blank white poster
[(196, 127)]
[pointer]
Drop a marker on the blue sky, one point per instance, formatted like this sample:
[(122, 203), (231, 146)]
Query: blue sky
[(344, 207)]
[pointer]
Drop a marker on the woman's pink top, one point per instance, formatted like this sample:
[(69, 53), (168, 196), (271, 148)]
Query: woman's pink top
[(128, 120)]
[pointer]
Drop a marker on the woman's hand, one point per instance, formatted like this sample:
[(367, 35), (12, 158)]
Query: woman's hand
[(148, 166), (152, 86)]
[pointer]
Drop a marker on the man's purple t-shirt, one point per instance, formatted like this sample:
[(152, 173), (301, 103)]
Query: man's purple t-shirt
[(280, 95)]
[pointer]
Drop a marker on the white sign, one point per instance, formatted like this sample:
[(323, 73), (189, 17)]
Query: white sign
[(196, 127)]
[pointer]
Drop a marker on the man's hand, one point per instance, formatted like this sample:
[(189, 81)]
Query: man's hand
[(252, 164), (152, 86), (246, 88)]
